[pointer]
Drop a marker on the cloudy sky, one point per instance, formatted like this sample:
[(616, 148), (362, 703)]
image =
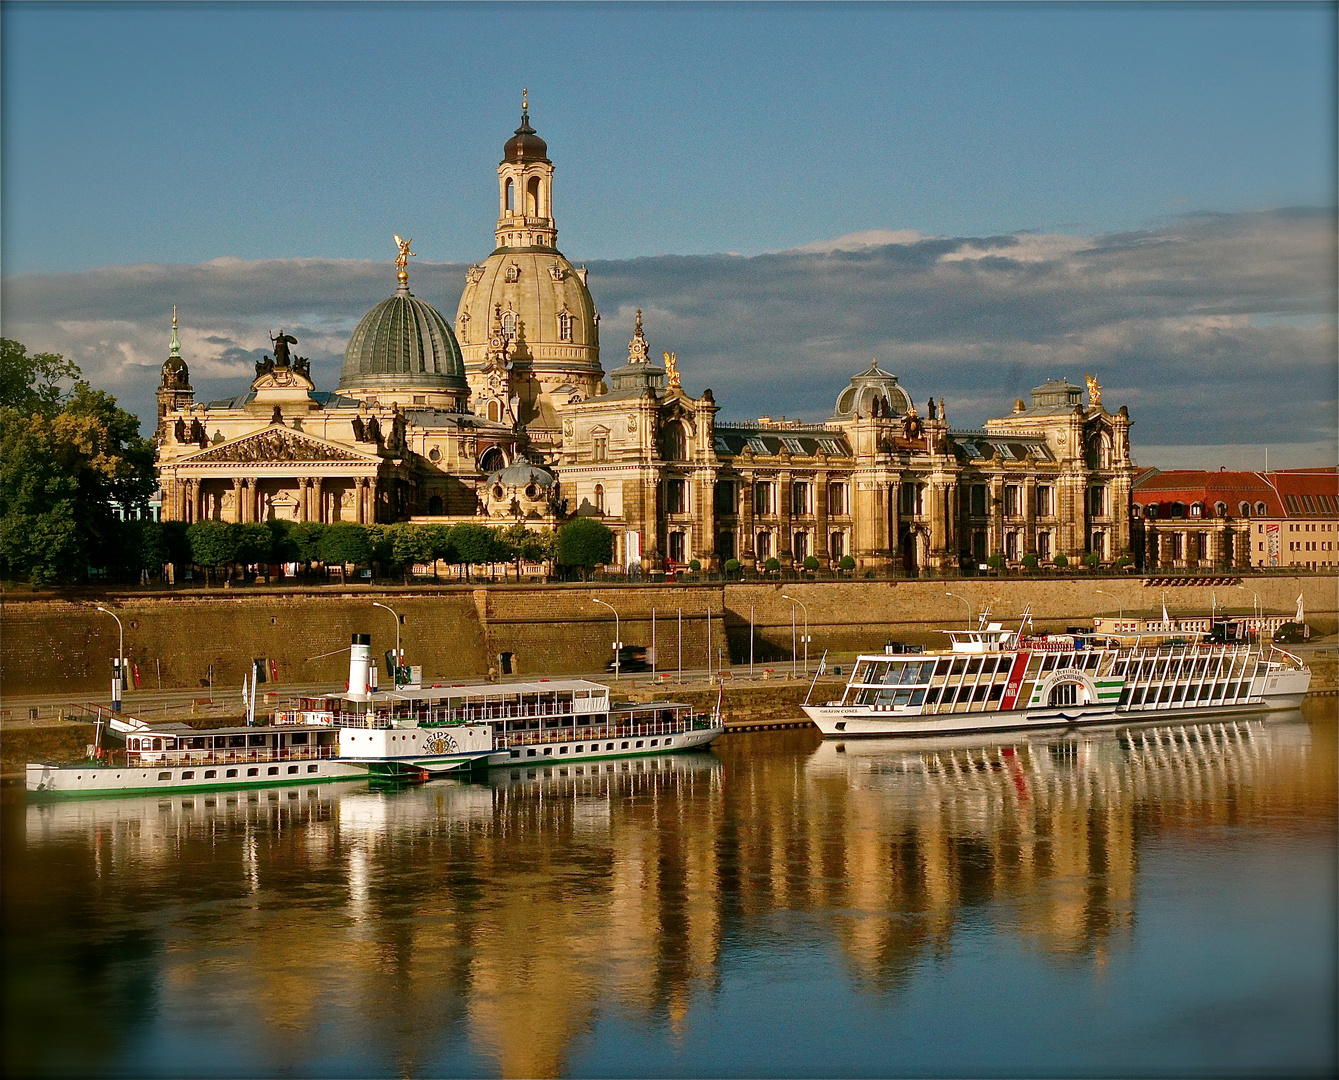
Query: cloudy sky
[(982, 197)]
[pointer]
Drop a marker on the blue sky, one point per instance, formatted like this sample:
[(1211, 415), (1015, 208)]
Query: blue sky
[(170, 135)]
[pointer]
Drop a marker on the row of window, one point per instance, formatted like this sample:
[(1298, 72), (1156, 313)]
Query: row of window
[(1196, 509), (766, 545), (211, 774)]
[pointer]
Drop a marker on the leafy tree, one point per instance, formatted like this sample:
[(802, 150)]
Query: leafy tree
[(60, 473), (342, 543), (30, 385), (811, 562), (587, 543), (1029, 561), (995, 561), (772, 565), (213, 544), (847, 562), (305, 540), (1124, 561), (255, 544), (1092, 560), (412, 544), (524, 545), (1060, 561), (476, 544), (695, 565), (732, 566)]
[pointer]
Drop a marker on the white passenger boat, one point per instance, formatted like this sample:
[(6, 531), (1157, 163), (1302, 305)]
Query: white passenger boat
[(993, 679), (409, 733)]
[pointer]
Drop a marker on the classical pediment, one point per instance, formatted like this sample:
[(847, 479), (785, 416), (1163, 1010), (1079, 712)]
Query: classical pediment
[(285, 379), (276, 444)]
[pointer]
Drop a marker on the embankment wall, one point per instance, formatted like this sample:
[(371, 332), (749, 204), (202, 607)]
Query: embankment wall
[(60, 645)]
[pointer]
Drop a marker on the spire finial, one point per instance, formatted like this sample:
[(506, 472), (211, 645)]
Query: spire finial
[(175, 349), (402, 260), (525, 100), (638, 349)]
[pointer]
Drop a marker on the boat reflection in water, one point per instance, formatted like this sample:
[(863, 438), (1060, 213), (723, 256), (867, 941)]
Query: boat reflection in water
[(571, 918)]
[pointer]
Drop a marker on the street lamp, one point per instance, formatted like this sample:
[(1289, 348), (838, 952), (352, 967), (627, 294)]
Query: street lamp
[(120, 658), (1120, 605), (618, 645), (806, 627), (965, 604), (395, 673), (1255, 606)]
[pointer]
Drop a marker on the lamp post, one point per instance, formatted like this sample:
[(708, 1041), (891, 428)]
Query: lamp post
[(120, 658), (395, 674), (966, 604), (805, 639), (1255, 605), (618, 645), (1120, 606)]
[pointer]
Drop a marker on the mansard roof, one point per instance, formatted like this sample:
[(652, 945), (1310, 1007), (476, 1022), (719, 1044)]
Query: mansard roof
[(732, 439)]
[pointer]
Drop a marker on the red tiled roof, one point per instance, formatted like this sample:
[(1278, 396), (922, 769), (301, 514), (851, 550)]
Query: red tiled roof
[(1284, 493)]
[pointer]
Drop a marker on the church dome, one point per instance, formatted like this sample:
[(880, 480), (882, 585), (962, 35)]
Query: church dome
[(403, 344), (868, 388), (525, 145)]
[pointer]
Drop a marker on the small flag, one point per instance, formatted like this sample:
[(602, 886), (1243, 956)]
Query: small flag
[(1167, 619), (245, 697), (274, 671), (1300, 617)]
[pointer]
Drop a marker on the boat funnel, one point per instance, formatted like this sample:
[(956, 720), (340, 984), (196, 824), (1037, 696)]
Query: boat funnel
[(360, 661)]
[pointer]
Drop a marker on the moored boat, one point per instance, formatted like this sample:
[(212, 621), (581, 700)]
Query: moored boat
[(993, 679)]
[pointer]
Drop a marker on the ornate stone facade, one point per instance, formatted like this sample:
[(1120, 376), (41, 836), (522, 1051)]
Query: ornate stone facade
[(510, 418)]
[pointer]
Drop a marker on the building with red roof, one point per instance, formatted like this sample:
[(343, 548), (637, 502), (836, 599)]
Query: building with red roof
[(1194, 519)]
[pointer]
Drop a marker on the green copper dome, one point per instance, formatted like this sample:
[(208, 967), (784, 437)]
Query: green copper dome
[(403, 343)]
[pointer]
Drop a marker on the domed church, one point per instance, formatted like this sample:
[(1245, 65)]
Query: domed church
[(508, 417)]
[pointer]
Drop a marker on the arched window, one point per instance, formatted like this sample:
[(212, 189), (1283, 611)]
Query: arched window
[(1136, 510), (564, 326), (1244, 509), (1220, 509), (509, 198), (492, 460), (599, 498), (494, 411), (532, 208), (1178, 509), (1261, 509), (674, 442), (509, 322)]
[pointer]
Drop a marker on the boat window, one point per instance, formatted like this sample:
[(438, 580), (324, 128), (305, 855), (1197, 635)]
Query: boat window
[(1125, 696), (1178, 693), (917, 696), (1165, 696), (252, 772), (941, 668), (980, 694), (1049, 663), (164, 776), (1118, 669), (297, 738), (1206, 690), (231, 772), (189, 774), (255, 740), (974, 665), (959, 666), (311, 768), (932, 695), (997, 692), (273, 770), (1136, 696), (211, 773), (927, 671), (1090, 662)]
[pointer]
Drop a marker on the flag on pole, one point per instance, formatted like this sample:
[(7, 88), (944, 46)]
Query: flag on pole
[(1301, 615), (1165, 617), (245, 696)]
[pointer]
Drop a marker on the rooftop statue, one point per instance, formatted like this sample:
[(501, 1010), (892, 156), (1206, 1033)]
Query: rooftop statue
[(281, 344), (402, 259), (1094, 390)]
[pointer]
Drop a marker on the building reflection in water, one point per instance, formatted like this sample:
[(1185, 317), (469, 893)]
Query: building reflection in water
[(379, 930)]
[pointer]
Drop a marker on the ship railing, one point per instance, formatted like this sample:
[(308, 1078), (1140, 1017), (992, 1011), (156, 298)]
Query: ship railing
[(681, 726), (239, 755)]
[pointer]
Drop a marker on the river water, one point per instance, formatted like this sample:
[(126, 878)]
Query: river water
[(1151, 901)]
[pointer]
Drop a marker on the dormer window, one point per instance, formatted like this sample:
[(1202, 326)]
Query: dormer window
[(1196, 509), (1220, 509), (564, 326), (1261, 509), (1244, 509), (513, 272)]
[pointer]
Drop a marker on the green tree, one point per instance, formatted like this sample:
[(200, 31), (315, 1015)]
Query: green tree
[(475, 544), (586, 543), (213, 544), (772, 565), (60, 474), (847, 562), (732, 566), (342, 543), (811, 562), (996, 561), (255, 544), (1029, 561), (1092, 560), (31, 385), (523, 545), (1060, 561), (305, 538)]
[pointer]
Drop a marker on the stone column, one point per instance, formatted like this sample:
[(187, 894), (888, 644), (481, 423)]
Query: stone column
[(1029, 496), (785, 552), (995, 536), (820, 546), (746, 551), (895, 521), (704, 518)]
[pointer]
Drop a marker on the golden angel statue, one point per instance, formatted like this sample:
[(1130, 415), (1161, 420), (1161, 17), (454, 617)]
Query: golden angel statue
[(672, 370), (1094, 390), (402, 259)]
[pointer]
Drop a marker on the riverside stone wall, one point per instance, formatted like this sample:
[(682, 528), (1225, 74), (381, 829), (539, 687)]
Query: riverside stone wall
[(63, 646)]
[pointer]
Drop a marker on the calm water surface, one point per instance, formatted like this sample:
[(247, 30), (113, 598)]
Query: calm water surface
[(1141, 902)]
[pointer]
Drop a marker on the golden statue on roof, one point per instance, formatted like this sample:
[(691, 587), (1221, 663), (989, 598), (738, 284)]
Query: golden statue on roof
[(402, 259), (672, 370), (1094, 390)]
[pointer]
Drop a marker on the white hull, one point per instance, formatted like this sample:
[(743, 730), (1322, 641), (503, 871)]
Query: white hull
[(615, 747), (855, 720), (76, 780)]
